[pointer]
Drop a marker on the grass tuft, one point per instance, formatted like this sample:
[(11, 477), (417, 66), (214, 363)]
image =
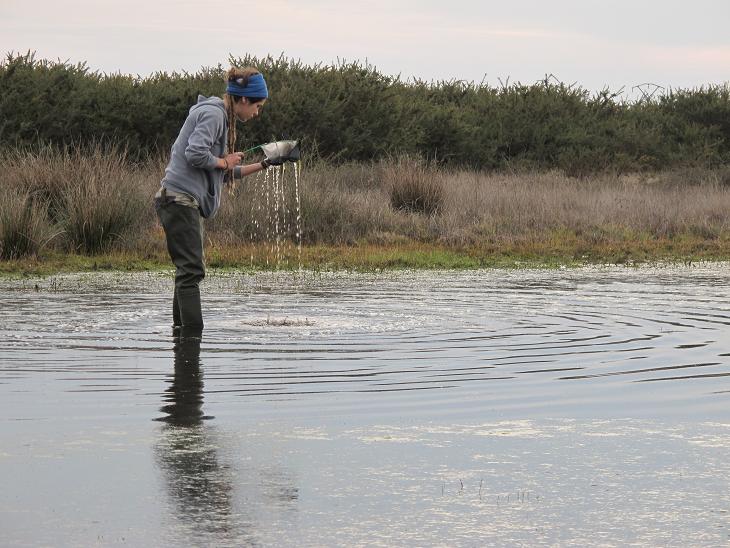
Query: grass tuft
[(24, 225), (92, 195), (102, 202), (413, 186)]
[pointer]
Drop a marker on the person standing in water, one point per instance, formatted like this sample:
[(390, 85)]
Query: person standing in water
[(203, 157)]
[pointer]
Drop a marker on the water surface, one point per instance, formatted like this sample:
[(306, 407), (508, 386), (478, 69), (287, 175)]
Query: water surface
[(565, 407)]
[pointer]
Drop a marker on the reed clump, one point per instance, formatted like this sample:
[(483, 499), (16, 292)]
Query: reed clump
[(103, 202), (92, 197), (413, 186), (24, 225)]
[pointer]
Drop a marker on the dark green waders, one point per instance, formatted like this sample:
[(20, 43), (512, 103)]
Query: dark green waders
[(184, 234)]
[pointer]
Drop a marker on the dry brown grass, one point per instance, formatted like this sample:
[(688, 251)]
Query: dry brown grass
[(413, 186), (505, 207), (24, 225), (93, 197), (96, 201)]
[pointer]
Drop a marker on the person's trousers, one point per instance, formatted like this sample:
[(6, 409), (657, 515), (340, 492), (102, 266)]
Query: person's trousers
[(184, 233)]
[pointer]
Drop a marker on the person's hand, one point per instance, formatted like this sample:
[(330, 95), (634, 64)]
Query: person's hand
[(232, 160)]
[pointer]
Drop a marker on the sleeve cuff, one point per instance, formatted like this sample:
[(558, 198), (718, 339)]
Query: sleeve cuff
[(212, 162)]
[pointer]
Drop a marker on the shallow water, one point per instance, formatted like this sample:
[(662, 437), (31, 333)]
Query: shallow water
[(566, 407)]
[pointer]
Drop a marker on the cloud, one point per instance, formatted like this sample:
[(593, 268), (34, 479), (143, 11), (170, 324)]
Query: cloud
[(690, 56), (461, 39)]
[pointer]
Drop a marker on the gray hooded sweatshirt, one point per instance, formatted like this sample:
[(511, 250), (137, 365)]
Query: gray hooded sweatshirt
[(193, 163)]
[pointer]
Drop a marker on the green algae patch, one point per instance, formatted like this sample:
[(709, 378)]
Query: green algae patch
[(55, 263), (551, 250)]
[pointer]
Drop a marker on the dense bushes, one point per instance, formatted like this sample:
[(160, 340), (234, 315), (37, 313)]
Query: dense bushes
[(351, 112)]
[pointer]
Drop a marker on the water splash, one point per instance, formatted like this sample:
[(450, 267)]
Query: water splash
[(297, 175), (268, 180), (276, 215)]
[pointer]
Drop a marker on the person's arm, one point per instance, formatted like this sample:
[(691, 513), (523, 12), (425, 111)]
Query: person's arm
[(241, 171), (208, 126)]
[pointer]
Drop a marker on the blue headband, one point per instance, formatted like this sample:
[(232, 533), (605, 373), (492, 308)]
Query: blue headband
[(256, 87)]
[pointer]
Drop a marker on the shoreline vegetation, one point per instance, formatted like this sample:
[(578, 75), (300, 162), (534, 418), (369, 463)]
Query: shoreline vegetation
[(378, 258), (396, 174), (91, 209)]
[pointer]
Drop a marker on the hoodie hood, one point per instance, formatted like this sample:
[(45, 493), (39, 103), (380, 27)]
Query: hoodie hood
[(214, 101)]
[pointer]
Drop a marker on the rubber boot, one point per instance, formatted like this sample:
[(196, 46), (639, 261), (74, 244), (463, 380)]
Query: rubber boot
[(191, 314)]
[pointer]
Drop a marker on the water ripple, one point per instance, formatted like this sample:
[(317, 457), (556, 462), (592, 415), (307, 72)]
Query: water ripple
[(481, 339)]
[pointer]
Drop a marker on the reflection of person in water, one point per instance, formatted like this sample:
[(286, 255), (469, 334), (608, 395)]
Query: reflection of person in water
[(200, 488), (197, 484), (185, 394)]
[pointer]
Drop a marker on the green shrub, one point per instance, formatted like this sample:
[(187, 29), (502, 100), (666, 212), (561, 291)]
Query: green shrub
[(351, 112)]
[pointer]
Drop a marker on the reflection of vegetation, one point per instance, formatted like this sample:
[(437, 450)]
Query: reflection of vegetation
[(351, 112)]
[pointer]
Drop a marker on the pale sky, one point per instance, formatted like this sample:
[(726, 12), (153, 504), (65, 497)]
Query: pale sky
[(672, 43)]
